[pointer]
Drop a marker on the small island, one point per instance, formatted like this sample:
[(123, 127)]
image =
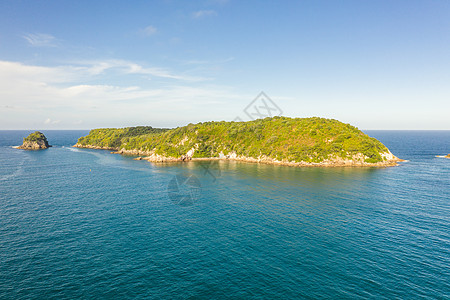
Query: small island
[(278, 140), (35, 141)]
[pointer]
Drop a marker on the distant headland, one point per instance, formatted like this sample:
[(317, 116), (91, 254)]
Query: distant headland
[(35, 141), (277, 140)]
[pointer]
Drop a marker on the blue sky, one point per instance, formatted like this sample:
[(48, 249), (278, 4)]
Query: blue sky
[(87, 64)]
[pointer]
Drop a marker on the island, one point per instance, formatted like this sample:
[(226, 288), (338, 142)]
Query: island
[(277, 140), (35, 141)]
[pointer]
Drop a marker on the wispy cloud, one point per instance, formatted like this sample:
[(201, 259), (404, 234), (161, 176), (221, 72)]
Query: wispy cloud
[(149, 31), (49, 121), (82, 71), (204, 13), (128, 67), (59, 96), (40, 39)]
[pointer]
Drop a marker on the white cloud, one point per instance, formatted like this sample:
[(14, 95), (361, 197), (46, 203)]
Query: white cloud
[(128, 67), (40, 39), (204, 13), (149, 30), (61, 96), (49, 121)]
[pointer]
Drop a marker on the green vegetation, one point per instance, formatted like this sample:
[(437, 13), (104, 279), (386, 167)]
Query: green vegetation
[(299, 139), (35, 137), (113, 137)]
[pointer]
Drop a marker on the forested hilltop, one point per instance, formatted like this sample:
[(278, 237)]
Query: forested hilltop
[(34, 141), (278, 139)]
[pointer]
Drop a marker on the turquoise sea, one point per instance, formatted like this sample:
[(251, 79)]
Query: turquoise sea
[(88, 224)]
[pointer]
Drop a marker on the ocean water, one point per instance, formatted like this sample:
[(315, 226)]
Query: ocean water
[(78, 223)]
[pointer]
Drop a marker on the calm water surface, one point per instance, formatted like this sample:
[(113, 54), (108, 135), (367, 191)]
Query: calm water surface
[(80, 223)]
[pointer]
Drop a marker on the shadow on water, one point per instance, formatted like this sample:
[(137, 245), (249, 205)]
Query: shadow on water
[(272, 177)]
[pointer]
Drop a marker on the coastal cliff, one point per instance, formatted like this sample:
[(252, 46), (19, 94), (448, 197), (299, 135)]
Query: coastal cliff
[(278, 140), (35, 141)]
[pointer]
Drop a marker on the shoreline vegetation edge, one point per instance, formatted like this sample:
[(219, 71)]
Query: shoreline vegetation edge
[(304, 142), (356, 161)]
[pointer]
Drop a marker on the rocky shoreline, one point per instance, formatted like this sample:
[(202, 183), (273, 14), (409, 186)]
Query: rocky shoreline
[(35, 141), (356, 160)]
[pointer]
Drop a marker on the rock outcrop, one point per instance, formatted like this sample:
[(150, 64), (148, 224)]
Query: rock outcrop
[(357, 160), (35, 141)]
